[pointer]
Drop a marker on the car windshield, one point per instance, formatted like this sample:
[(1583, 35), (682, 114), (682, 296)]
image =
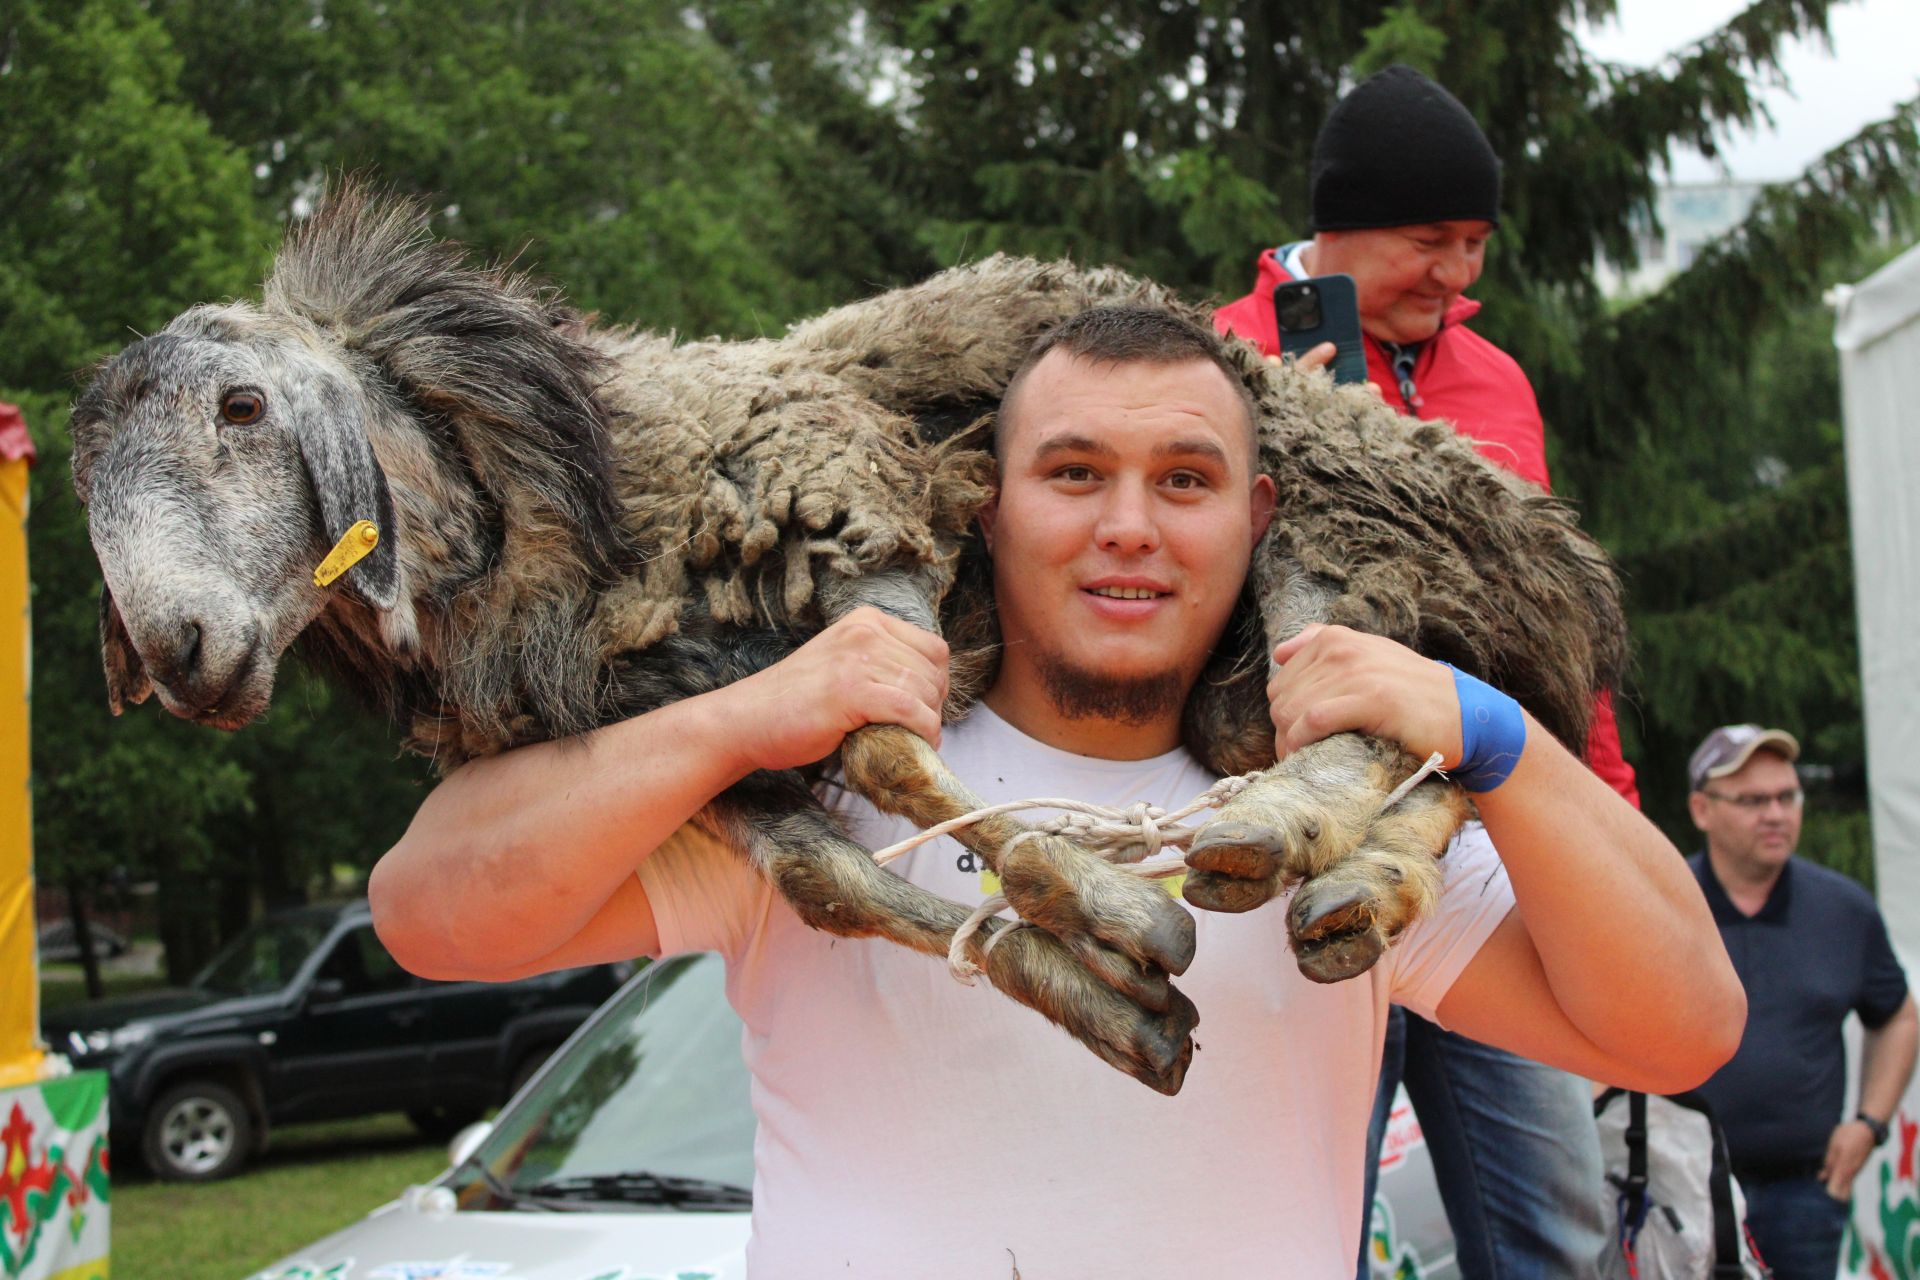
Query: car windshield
[(265, 957), (648, 1109)]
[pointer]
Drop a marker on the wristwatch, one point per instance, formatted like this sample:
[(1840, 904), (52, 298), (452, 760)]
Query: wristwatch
[(1879, 1127)]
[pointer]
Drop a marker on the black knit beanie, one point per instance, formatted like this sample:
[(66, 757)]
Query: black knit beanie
[(1398, 151)]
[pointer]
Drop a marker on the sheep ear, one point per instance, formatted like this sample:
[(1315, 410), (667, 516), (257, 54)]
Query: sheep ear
[(126, 675), (349, 486)]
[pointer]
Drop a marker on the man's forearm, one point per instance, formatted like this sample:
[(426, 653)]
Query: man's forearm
[(1886, 1062), (513, 855), (1624, 935)]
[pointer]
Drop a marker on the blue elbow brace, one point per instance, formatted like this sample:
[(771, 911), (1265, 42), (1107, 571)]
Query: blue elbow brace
[(1493, 732)]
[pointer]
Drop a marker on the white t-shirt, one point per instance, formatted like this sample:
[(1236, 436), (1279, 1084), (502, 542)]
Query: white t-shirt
[(910, 1126)]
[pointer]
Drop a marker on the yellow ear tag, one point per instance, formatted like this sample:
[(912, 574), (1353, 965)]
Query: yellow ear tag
[(352, 548)]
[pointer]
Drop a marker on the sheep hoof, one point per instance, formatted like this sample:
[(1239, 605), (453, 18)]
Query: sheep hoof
[(1235, 866), (1212, 891), (1335, 932), (1243, 850), (1161, 1048), (1170, 940), (1091, 904), (1336, 959), (1153, 1046), (1146, 985)]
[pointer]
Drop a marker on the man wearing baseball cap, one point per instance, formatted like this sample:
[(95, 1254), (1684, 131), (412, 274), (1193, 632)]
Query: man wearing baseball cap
[(1809, 945), (1405, 192)]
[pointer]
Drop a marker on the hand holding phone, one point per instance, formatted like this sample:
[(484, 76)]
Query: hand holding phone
[(1322, 309)]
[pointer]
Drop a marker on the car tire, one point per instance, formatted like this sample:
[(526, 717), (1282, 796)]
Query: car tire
[(198, 1131), (440, 1123)]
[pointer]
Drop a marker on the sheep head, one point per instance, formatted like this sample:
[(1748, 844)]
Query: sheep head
[(219, 461)]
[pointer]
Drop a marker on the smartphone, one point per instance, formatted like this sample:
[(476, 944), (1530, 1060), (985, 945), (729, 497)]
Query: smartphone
[(1322, 309)]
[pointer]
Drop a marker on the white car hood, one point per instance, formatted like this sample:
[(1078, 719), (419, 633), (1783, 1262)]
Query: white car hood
[(400, 1242)]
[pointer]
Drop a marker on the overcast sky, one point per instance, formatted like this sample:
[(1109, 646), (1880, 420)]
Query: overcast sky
[(1873, 64)]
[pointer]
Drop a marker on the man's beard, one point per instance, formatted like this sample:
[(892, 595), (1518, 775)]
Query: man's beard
[(1081, 694)]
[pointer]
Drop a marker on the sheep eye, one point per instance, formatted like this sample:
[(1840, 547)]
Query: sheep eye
[(242, 407)]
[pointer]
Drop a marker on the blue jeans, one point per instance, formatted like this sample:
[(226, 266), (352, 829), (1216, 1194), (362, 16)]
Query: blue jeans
[(1514, 1150), (1797, 1227)]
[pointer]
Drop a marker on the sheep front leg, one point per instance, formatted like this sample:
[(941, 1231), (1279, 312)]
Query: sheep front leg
[(1342, 919), (1316, 821), (1127, 930), (835, 886)]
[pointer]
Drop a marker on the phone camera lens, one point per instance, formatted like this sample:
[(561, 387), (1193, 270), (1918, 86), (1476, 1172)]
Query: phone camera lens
[(1300, 309)]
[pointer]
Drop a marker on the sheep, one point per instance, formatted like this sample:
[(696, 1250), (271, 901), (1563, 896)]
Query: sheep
[(577, 523)]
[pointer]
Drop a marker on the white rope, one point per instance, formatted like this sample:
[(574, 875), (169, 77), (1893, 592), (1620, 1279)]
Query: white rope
[(1126, 837), (1420, 775)]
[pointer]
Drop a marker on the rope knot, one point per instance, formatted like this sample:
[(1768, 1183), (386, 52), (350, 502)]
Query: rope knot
[(1142, 816), (1227, 788), (1113, 833)]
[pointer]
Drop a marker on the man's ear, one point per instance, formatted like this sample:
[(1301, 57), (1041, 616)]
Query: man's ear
[(1697, 803), (1262, 500), (989, 510)]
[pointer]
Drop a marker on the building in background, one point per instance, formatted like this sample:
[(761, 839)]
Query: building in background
[(1690, 214)]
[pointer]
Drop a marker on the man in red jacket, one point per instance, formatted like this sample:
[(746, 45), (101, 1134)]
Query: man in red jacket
[(1405, 193)]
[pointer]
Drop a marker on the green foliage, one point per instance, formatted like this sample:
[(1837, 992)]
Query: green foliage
[(1401, 36), (1215, 203), (122, 207), (1799, 238), (1838, 835), (1055, 128), (1703, 439), (634, 149)]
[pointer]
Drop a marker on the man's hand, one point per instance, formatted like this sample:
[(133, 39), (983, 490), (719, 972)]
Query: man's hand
[(1319, 358), (1332, 679), (1847, 1149), (867, 668), (1313, 357)]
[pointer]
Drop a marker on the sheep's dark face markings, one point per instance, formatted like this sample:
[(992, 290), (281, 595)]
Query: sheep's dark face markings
[(204, 525)]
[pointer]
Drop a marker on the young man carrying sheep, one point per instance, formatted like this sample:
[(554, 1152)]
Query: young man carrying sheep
[(909, 1126)]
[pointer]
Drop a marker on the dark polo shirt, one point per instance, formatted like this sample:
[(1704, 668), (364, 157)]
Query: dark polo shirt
[(1815, 950)]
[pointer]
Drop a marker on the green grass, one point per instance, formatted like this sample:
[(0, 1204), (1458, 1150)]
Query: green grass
[(312, 1181)]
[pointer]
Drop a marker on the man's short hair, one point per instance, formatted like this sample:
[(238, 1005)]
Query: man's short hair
[(1130, 335), (1727, 749)]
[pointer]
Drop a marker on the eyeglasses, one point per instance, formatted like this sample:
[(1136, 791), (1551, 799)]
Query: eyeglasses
[(1790, 799)]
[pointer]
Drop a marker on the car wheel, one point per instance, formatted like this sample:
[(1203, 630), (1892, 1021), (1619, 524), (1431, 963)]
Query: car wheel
[(197, 1132), (442, 1122)]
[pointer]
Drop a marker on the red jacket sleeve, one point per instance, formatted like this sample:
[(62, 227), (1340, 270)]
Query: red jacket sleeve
[(1604, 756)]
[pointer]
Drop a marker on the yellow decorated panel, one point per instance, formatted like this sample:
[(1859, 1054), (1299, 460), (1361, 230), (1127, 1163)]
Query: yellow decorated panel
[(19, 983)]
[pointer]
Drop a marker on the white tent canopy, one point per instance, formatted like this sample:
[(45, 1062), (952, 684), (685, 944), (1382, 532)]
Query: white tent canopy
[(1878, 334)]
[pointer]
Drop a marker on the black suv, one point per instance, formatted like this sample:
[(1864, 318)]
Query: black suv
[(306, 1017)]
